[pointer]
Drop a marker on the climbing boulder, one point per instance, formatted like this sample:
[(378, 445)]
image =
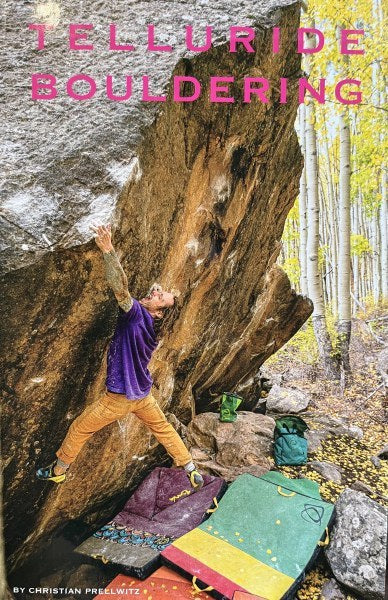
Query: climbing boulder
[(357, 550)]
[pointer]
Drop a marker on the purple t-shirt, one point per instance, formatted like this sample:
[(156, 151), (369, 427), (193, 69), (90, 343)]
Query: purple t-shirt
[(129, 353)]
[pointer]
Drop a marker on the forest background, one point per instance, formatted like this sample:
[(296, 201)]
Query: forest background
[(334, 250), (335, 241)]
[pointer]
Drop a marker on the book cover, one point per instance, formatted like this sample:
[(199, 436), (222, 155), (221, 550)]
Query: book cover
[(190, 189)]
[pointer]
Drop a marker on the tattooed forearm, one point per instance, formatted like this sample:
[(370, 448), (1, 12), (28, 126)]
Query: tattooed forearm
[(117, 280)]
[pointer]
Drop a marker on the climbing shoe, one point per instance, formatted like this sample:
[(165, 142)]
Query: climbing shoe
[(47, 473), (196, 479)]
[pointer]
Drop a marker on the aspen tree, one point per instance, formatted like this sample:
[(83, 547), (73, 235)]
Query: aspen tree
[(384, 235), (344, 299), (313, 275), (303, 205)]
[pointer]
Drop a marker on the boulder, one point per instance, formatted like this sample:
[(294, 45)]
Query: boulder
[(285, 400), (383, 453), (188, 187), (77, 174), (177, 424), (230, 449), (332, 591), (250, 390), (82, 576), (357, 550), (328, 425), (328, 470), (314, 439), (269, 378), (255, 389)]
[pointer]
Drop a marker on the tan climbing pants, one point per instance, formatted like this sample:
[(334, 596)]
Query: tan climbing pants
[(112, 407)]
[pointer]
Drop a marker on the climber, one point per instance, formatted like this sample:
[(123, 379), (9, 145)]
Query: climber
[(128, 383)]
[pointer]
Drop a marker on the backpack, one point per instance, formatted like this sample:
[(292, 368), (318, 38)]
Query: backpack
[(290, 445)]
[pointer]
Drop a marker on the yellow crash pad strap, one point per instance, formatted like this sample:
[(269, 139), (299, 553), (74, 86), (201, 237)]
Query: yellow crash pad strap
[(100, 557), (326, 540), (197, 589), (211, 510), (284, 493)]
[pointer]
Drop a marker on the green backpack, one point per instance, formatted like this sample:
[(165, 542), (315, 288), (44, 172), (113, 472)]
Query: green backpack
[(290, 445), (229, 404)]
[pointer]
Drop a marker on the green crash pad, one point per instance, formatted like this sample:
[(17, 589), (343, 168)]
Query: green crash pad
[(261, 539)]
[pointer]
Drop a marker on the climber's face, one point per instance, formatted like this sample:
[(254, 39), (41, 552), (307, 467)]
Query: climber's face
[(158, 300)]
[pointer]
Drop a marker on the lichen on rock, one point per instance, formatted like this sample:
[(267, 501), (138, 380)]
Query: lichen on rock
[(357, 551)]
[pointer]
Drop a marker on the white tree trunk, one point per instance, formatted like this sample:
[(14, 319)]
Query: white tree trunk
[(384, 236), (356, 259), (376, 258), (344, 297), (330, 227), (363, 278), (313, 275), (334, 250), (376, 98), (303, 206)]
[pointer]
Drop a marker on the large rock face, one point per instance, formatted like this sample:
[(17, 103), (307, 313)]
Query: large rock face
[(208, 188)]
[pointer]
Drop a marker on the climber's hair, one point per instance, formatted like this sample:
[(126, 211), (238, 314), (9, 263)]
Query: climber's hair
[(165, 324)]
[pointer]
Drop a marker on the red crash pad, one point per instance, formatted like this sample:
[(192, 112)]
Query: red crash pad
[(164, 584)]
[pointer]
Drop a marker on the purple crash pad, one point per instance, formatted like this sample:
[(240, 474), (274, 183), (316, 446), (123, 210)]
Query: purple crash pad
[(163, 508)]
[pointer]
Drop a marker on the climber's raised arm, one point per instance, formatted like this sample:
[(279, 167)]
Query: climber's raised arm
[(115, 275)]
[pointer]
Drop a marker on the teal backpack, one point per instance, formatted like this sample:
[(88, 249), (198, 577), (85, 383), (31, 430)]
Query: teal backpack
[(290, 445)]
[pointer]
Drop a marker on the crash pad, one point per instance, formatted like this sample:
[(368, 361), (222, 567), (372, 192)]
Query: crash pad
[(261, 539), (245, 596), (163, 508), (162, 584)]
